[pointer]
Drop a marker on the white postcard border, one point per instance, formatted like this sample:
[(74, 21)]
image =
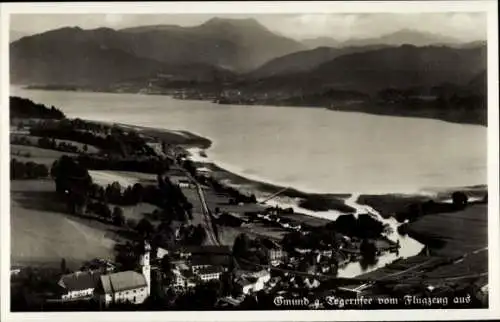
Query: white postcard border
[(277, 8)]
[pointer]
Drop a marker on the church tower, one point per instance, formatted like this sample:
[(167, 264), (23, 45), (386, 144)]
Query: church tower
[(146, 266)]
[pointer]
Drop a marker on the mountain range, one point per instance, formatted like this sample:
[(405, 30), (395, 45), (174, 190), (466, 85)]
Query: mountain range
[(398, 38), (229, 44), (242, 54), (399, 67)]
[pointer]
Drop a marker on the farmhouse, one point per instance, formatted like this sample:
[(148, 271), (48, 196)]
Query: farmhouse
[(210, 273), (181, 180), (78, 285), (253, 282)]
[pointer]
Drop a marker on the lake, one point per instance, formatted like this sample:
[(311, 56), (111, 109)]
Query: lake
[(311, 149)]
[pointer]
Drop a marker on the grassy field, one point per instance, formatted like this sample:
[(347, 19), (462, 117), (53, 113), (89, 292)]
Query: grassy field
[(41, 232), (227, 235), (454, 233), (38, 155), (34, 140), (388, 204), (124, 178), (172, 137)]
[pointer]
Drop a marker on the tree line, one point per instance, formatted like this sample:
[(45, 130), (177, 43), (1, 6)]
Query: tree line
[(117, 141), (25, 108), (46, 143), (27, 170)]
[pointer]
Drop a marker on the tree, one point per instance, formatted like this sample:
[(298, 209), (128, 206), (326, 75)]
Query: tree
[(368, 249), (106, 212), (70, 176), (113, 192), (118, 217), (241, 245), (144, 227), (63, 266), (131, 223), (166, 269), (85, 148), (459, 200)]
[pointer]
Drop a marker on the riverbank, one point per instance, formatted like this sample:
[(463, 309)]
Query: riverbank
[(390, 204)]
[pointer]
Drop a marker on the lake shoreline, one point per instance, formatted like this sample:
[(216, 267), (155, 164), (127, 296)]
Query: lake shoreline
[(198, 146), (370, 107)]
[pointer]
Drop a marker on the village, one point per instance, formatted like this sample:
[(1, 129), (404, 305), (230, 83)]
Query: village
[(206, 243)]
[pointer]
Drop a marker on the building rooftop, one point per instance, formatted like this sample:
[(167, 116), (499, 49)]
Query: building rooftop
[(208, 249), (211, 259), (122, 281), (260, 274), (79, 281), (210, 270)]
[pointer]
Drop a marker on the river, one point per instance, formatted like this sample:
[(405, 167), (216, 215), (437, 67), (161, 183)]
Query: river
[(310, 149)]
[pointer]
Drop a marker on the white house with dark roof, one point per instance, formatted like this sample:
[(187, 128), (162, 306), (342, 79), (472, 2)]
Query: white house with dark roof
[(78, 285), (123, 287), (210, 273)]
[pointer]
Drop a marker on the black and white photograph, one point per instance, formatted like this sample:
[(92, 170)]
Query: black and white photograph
[(244, 160)]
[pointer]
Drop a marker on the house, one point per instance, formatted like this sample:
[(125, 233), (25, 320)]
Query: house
[(183, 278), (156, 146), (275, 252), (246, 285), (123, 287), (78, 285), (262, 277), (209, 273), (311, 283), (208, 250), (203, 171), (128, 286), (253, 282), (181, 180), (200, 261)]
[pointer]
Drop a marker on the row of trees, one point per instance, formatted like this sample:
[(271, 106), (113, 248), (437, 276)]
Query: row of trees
[(123, 143), (104, 212), (27, 170)]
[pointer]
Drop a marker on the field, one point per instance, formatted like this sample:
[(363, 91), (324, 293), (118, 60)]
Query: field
[(41, 233), (454, 233), (389, 204), (124, 178), (457, 250), (34, 140), (38, 155), (254, 230)]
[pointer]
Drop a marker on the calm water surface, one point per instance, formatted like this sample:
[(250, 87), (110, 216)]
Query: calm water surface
[(308, 148)]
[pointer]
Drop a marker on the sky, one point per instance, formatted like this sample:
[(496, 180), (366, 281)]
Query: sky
[(463, 26)]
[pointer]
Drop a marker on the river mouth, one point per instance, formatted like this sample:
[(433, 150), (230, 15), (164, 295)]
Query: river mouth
[(408, 246)]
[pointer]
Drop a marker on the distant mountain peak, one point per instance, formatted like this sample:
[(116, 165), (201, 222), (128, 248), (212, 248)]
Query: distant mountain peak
[(241, 23)]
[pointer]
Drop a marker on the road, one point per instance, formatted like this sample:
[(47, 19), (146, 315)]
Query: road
[(212, 238)]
